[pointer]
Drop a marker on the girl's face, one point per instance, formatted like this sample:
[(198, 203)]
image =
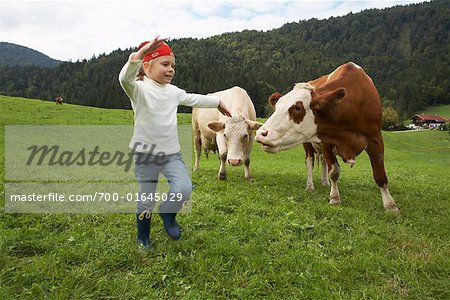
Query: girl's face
[(161, 69)]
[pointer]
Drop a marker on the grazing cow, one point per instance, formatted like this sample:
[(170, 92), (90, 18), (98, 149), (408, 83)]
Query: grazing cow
[(343, 112), (311, 149), (232, 137), (59, 100)]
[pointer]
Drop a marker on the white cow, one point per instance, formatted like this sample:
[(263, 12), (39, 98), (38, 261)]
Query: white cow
[(232, 137)]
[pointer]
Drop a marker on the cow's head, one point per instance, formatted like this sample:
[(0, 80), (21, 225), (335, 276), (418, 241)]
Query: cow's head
[(237, 132), (294, 120)]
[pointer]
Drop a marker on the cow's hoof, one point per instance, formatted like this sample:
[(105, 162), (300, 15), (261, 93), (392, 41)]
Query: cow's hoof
[(325, 183), (222, 176), (249, 178), (392, 209), (310, 187), (335, 201)]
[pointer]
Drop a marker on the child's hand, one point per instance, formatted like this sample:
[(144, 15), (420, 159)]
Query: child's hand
[(154, 44), (223, 109), (146, 47)]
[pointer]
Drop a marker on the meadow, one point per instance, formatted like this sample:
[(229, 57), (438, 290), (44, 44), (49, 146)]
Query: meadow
[(269, 238)]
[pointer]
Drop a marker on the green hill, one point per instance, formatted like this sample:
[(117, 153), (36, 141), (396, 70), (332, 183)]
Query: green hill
[(24, 111), (16, 55)]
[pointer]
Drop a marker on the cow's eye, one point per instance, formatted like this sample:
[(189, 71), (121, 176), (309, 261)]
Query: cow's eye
[(245, 136), (224, 135), (298, 109)]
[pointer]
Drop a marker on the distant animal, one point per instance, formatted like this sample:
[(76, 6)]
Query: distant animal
[(59, 100), (341, 110), (311, 150), (231, 137)]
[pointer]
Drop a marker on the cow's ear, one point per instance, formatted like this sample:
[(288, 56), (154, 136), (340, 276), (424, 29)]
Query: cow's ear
[(216, 126), (327, 99), (273, 99), (253, 124)]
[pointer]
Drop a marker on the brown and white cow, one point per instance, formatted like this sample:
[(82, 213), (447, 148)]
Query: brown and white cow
[(343, 112), (311, 151), (232, 137), (59, 100)]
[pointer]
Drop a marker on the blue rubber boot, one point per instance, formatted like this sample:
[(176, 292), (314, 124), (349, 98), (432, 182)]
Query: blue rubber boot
[(170, 225), (143, 222)]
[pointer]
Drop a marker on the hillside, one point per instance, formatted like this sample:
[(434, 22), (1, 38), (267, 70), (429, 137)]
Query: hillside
[(16, 55), (410, 72), (24, 111)]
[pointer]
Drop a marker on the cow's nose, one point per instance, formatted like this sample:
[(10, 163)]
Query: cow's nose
[(234, 162), (264, 132)]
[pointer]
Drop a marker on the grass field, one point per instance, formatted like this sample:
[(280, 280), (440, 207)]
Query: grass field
[(269, 238)]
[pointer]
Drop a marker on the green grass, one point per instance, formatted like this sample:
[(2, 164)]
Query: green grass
[(269, 238)]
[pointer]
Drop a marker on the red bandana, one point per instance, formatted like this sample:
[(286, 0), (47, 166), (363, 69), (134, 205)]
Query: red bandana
[(163, 50)]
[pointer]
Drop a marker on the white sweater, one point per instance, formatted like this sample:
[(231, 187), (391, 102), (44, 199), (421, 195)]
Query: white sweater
[(155, 110)]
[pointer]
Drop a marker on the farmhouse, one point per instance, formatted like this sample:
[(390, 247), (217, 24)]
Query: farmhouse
[(428, 119)]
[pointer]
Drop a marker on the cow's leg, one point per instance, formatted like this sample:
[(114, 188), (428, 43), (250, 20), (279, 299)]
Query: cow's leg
[(222, 170), (222, 150), (309, 169), (334, 170), (248, 176), (309, 152), (198, 150), (247, 173), (324, 176), (375, 149)]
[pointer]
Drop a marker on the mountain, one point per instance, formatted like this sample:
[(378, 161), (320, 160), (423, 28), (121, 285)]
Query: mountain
[(405, 50), (16, 55)]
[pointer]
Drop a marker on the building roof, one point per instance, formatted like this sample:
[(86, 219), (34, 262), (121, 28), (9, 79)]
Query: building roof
[(429, 117)]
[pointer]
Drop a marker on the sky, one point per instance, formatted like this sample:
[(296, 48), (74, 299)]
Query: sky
[(76, 30)]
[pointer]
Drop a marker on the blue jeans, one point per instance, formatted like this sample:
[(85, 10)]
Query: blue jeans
[(147, 170)]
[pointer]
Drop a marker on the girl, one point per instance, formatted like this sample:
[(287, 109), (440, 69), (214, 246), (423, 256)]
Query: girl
[(155, 100)]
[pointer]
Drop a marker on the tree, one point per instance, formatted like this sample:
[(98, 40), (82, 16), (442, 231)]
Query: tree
[(389, 117)]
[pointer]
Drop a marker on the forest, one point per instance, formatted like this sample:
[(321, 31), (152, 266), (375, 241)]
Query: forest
[(405, 49)]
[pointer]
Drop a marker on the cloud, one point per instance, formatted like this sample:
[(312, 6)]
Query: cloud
[(204, 9), (67, 30), (241, 13)]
